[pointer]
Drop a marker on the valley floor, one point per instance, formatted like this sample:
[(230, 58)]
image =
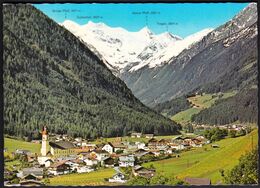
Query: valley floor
[(206, 161)]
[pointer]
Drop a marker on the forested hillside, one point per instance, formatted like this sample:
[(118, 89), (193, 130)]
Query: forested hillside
[(172, 107), (51, 78), (242, 107)]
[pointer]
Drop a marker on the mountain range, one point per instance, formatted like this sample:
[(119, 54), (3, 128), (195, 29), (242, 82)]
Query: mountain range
[(158, 68), (124, 51), (51, 78)]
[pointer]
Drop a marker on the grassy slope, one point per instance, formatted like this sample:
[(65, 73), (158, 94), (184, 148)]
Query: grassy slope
[(92, 178), (12, 145), (201, 163), (201, 102)]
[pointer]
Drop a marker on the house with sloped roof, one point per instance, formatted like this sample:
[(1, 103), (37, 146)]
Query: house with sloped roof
[(30, 183), (108, 162), (59, 168), (22, 152), (62, 148), (91, 161), (197, 181), (126, 161), (108, 147), (118, 178), (143, 172), (119, 146), (136, 135), (99, 154), (148, 135), (33, 173)]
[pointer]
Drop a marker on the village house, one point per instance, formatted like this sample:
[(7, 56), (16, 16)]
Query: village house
[(48, 163), (83, 155), (22, 152), (143, 172), (177, 146), (131, 146), (152, 143), (177, 140), (119, 146), (65, 137), (90, 146), (156, 152), (148, 154), (31, 157), (196, 143), (91, 162), (108, 147), (78, 139), (30, 183), (148, 135), (99, 154), (108, 162), (163, 142), (118, 178), (59, 168), (140, 145), (72, 165), (136, 135), (126, 161), (84, 169), (197, 181), (215, 146), (34, 173)]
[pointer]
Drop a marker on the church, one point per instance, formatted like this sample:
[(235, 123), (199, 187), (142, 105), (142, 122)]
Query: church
[(52, 150)]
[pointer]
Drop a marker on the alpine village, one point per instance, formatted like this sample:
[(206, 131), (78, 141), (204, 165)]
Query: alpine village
[(73, 118)]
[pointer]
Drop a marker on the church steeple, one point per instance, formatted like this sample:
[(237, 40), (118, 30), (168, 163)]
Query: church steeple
[(44, 149)]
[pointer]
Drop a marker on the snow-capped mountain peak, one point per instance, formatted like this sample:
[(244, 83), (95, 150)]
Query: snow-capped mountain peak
[(123, 50), (146, 31)]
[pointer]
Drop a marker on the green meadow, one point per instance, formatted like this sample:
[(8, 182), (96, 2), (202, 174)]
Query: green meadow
[(13, 144), (92, 178), (206, 161)]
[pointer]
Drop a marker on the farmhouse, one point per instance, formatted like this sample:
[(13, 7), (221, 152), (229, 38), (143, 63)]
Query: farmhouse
[(118, 177), (143, 172), (83, 169), (108, 162), (30, 183), (108, 147), (99, 154), (136, 135), (126, 161), (152, 143), (91, 162), (197, 181), (148, 135), (118, 146), (59, 168), (177, 146), (34, 173), (22, 152)]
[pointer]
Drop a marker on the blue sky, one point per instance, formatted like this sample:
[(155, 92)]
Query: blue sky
[(182, 19)]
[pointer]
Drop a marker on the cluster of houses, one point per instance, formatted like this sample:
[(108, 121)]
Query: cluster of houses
[(229, 127), (63, 156)]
